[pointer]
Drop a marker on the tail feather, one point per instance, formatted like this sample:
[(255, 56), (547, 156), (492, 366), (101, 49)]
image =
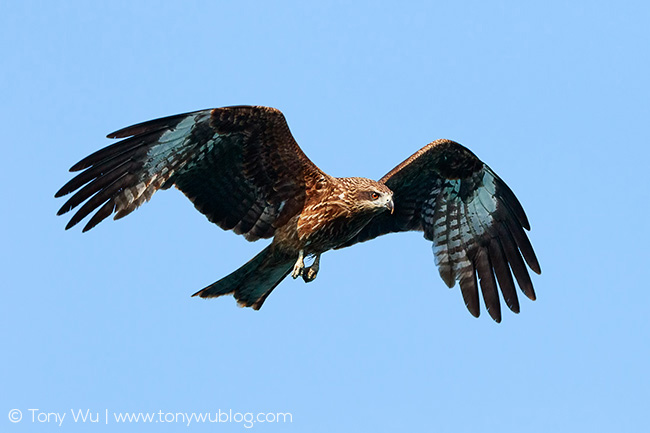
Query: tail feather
[(254, 281)]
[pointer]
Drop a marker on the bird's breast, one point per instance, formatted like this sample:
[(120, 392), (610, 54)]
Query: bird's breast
[(319, 228)]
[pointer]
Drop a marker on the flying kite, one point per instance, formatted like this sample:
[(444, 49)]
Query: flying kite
[(243, 170)]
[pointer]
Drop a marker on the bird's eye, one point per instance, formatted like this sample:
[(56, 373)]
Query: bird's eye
[(374, 195)]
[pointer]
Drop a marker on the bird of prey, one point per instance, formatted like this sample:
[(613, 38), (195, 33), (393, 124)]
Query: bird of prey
[(241, 167)]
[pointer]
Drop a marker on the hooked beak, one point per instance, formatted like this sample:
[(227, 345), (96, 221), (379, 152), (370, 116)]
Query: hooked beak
[(390, 206)]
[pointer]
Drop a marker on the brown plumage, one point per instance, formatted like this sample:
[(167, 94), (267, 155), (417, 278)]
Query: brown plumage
[(242, 168)]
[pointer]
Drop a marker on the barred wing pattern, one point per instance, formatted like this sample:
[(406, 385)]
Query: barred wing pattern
[(474, 220), (240, 166)]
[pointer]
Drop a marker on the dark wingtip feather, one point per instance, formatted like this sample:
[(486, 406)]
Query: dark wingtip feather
[(87, 161), (524, 245), (83, 164), (73, 184), (516, 262), (151, 125), (61, 192), (510, 200), (469, 290), (495, 314), (64, 209), (531, 294), (124, 133), (73, 222), (488, 283), (104, 212), (513, 203), (138, 129), (503, 274)]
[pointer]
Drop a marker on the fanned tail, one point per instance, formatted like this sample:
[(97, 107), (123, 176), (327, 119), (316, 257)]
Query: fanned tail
[(254, 281)]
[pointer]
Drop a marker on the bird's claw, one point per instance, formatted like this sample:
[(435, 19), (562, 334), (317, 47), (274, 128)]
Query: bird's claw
[(310, 273), (299, 267), (298, 270)]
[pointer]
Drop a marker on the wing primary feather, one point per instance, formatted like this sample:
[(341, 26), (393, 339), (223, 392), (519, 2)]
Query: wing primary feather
[(91, 188), (488, 283), (144, 134), (508, 197), (439, 232), (467, 273), (516, 262), (116, 150), (469, 290), (155, 125), (93, 172), (524, 245), (504, 277), (98, 199), (104, 212)]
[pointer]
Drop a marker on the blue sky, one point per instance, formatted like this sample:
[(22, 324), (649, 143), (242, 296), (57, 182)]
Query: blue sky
[(554, 96)]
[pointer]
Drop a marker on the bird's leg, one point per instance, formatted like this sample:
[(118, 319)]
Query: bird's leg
[(312, 271), (299, 267)]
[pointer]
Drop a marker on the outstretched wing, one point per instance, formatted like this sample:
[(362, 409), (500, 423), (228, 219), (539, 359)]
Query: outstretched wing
[(474, 220), (240, 166)]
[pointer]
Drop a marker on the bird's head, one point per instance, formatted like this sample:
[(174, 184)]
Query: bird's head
[(367, 195)]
